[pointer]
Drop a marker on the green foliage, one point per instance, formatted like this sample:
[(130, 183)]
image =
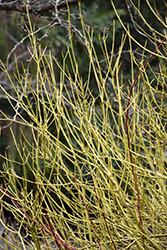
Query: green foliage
[(99, 180)]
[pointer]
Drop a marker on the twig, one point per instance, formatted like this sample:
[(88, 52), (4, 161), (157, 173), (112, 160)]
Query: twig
[(108, 230), (36, 222), (128, 136), (88, 214)]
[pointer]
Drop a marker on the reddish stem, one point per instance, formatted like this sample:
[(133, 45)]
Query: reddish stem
[(51, 233), (127, 132), (43, 205)]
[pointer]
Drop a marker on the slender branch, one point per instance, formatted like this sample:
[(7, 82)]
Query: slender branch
[(128, 136), (134, 24), (36, 222), (88, 214), (105, 221)]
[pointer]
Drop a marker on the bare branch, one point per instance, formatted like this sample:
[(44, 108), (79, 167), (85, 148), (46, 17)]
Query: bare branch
[(41, 7)]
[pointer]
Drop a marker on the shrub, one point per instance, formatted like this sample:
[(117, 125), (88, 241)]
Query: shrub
[(98, 181)]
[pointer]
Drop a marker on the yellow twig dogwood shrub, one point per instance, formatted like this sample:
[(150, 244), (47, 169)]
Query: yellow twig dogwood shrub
[(100, 180)]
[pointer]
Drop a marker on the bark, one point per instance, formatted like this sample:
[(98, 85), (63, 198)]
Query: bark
[(41, 7)]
